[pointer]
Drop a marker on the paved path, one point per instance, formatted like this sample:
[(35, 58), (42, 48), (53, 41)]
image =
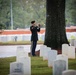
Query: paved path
[(9, 51)]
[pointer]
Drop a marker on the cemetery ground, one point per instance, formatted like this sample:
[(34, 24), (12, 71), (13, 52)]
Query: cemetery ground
[(19, 43), (38, 66)]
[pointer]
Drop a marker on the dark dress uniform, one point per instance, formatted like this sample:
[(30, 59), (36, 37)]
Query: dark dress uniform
[(34, 38)]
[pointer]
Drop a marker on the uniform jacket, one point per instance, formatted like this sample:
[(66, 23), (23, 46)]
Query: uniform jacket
[(34, 30)]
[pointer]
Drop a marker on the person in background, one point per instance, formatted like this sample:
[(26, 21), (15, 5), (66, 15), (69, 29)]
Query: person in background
[(34, 28)]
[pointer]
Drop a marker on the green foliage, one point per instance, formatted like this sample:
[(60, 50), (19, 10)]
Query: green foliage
[(71, 12), (2, 26), (73, 37), (24, 11)]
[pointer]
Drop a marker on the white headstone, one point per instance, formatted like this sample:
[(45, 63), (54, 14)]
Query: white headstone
[(45, 55), (58, 67), (20, 48), (42, 48), (16, 67), (71, 52), (65, 49), (63, 57), (75, 43), (69, 72), (20, 52), (51, 57), (72, 42), (26, 65)]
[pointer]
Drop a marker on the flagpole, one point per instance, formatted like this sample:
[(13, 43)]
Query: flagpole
[(11, 15)]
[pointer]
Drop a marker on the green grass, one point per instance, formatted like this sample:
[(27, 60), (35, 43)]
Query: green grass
[(19, 43), (39, 67), (5, 65)]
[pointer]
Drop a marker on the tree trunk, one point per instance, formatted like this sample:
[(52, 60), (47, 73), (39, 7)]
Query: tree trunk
[(55, 34)]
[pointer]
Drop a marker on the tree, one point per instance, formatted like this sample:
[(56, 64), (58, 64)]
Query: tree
[(71, 12), (2, 26), (24, 11), (55, 34), (4, 12)]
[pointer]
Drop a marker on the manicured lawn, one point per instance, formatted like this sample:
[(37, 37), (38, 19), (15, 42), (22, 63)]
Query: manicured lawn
[(39, 67), (5, 65), (19, 43)]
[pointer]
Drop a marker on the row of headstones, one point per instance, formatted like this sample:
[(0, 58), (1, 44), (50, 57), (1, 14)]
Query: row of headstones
[(22, 65), (26, 37), (66, 50), (23, 62), (58, 62)]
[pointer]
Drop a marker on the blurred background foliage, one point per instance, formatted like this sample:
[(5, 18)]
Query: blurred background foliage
[(70, 12), (24, 11)]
